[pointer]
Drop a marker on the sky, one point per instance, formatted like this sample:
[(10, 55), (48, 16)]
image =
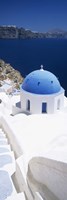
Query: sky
[(36, 15)]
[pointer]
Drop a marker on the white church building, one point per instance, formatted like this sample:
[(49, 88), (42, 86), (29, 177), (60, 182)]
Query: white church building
[(33, 140), (41, 92)]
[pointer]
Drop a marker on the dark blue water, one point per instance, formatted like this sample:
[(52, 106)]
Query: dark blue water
[(28, 55)]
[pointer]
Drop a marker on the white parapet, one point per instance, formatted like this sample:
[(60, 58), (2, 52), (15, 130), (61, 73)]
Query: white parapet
[(11, 135), (49, 177), (38, 196), (21, 181)]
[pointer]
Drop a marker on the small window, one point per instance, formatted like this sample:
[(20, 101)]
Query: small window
[(38, 83), (28, 105), (51, 81), (44, 107)]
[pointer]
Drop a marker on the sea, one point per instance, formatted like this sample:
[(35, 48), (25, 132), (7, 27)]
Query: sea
[(29, 54)]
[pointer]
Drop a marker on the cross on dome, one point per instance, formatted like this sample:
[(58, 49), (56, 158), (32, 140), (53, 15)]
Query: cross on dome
[(41, 68)]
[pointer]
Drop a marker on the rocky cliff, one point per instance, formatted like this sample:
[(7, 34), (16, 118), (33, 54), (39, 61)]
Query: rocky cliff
[(7, 71), (7, 32), (18, 33)]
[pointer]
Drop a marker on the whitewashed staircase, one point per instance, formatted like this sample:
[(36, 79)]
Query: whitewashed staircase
[(7, 168)]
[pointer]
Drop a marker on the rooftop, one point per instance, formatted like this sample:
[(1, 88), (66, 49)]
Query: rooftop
[(41, 82)]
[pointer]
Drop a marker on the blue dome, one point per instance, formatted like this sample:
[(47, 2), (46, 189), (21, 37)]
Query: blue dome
[(41, 82)]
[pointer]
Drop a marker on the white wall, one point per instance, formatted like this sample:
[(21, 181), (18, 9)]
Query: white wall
[(61, 98), (36, 101), (16, 110), (11, 135), (49, 177)]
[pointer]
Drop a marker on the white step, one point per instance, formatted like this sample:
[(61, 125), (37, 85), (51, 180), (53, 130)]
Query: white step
[(7, 162), (3, 141), (19, 196), (7, 168), (5, 148), (2, 135), (6, 185), (2, 132)]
